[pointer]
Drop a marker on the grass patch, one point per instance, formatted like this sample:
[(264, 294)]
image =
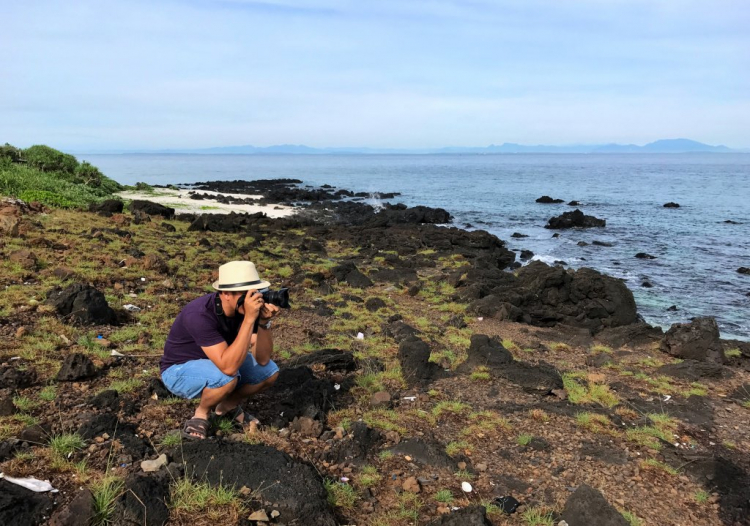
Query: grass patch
[(105, 494), (632, 519), (524, 439), (454, 447), (369, 477), (66, 444), (24, 403), (537, 517), (385, 419), (480, 374), (598, 349), (126, 386), (220, 503), (455, 408), (648, 436), (48, 393), (340, 495), (171, 439), (733, 353), (579, 393), (594, 422), (444, 495), (701, 497), (654, 464)]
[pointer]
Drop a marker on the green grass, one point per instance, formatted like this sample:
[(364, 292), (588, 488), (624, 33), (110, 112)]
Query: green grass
[(369, 476), (537, 517), (449, 407), (661, 466), (454, 447), (481, 373), (524, 439), (193, 497), (733, 353), (385, 419), (579, 393), (701, 497), (65, 444), (105, 494), (597, 349), (631, 518), (126, 386), (24, 403), (648, 436), (171, 439), (594, 422), (48, 393), (444, 495), (340, 495)]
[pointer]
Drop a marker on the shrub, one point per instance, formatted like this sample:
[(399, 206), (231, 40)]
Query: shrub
[(46, 198), (11, 152), (48, 159)]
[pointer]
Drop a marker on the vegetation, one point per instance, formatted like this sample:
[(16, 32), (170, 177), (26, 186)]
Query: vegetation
[(54, 178)]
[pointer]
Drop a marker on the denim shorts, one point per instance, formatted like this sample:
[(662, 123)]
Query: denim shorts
[(187, 380)]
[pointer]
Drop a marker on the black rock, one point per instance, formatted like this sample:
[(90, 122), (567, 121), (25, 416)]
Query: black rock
[(168, 227), (349, 273), (416, 367), (643, 255), (157, 387), (80, 510), (671, 205), (697, 340), (425, 452), (485, 351), (97, 425), (673, 308), (83, 304), (518, 235), (545, 199), (692, 370), (473, 515), (574, 203), (333, 359), (7, 407), (76, 366), (10, 377), (152, 209), (144, 500), (507, 504), (526, 255), (744, 270), (109, 399), (646, 285), (575, 219), (358, 446), (301, 498), (36, 434), (602, 243), (107, 208), (22, 507), (588, 507)]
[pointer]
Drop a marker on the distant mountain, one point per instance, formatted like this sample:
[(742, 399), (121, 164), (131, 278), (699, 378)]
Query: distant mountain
[(661, 146)]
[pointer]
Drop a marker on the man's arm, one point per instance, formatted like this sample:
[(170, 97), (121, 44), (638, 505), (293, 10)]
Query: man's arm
[(229, 358), (264, 341)]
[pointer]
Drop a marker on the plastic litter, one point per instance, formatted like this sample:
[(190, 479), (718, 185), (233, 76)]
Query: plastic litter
[(360, 336), (410, 398), (466, 487), (344, 479), (116, 353), (131, 308), (39, 486), (480, 318), (336, 386), (667, 397)]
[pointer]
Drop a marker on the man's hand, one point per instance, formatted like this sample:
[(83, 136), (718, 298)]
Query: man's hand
[(253, 304), (268, 311)]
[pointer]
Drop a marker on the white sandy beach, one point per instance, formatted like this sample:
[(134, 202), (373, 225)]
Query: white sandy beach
[(182, 203)]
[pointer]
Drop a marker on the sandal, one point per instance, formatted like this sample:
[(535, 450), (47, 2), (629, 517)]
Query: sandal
[(195, 429), (234, 414)]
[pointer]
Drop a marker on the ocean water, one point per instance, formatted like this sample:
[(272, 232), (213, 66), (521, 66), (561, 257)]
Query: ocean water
[(697, 253)]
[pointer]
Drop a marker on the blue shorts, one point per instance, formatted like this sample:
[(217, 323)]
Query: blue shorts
[(187, 380)]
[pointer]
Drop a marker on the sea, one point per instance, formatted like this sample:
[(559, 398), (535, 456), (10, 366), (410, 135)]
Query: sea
[(697, 252)]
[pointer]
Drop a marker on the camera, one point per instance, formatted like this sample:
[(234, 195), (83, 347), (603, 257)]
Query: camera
[(280, 297)]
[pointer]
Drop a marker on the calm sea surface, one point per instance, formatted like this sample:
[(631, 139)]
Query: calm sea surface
[(697, 253)]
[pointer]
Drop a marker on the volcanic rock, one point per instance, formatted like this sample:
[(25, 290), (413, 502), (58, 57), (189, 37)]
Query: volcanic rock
[(474, 515), (16, 378), (299, 494), (144, 500), (416, 367), (485, 351), (76, 366), (744, 270), (83, 304), (697, 340), (152, 209), (107, 208), (25, 258), (80, 510), (333, 359), (671, 205), (349, 273), (692, 370), (574, 219), (587, 506), (22, 506), (643, 255), (426, 452), (545, 199)]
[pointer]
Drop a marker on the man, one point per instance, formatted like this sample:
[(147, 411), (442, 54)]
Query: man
[(219, 348)]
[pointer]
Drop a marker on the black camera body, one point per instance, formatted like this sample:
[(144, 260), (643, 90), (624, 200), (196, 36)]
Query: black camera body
[(280, 297)]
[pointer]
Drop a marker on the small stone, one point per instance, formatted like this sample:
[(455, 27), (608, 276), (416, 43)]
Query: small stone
[(380, 399), (411, 485), (259, 515), (339, 433), (481, 467), (105, 436), (562, 523), (275, 514), (461, 465), (99, 440), (442, 510), (153, 465), (20, 332), (407, 458), (245, 491)]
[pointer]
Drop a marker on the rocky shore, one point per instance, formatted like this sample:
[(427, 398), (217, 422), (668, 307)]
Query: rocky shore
[(425, 378)]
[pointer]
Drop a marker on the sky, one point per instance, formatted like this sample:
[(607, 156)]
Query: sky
[(108, 74)]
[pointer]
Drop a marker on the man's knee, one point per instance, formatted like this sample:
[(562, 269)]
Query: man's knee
[(268, 382)]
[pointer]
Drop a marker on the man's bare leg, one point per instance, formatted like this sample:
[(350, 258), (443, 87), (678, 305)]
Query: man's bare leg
[(243, 393), (210, 398)]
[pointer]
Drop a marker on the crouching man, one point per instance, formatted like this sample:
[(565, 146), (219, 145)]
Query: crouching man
[(219, 348)]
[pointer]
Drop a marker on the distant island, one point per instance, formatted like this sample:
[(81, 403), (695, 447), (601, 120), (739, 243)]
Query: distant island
[(660, 146)]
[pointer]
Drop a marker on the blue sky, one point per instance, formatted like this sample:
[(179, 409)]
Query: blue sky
[(110, 74)]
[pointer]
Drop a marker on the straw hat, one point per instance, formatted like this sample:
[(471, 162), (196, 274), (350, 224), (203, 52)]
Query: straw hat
[(239, 276)]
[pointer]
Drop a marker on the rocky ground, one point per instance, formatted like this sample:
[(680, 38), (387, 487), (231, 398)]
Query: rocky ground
[(423, 382)]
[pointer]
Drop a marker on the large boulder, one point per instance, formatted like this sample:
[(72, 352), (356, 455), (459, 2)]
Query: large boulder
[(548, 295), (588, 507), (697, 340), (349, 273), (144, 500), (152, 209), (278, 481), (574, 219), (485, 351), (82, 303)]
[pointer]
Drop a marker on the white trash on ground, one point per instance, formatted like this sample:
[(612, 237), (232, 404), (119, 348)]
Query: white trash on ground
[(39, 486)]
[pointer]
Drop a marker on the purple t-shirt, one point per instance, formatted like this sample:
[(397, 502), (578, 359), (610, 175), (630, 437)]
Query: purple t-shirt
[(196, 326)]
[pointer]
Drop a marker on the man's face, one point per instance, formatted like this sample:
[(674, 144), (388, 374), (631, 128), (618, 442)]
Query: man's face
[(230, 304)]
